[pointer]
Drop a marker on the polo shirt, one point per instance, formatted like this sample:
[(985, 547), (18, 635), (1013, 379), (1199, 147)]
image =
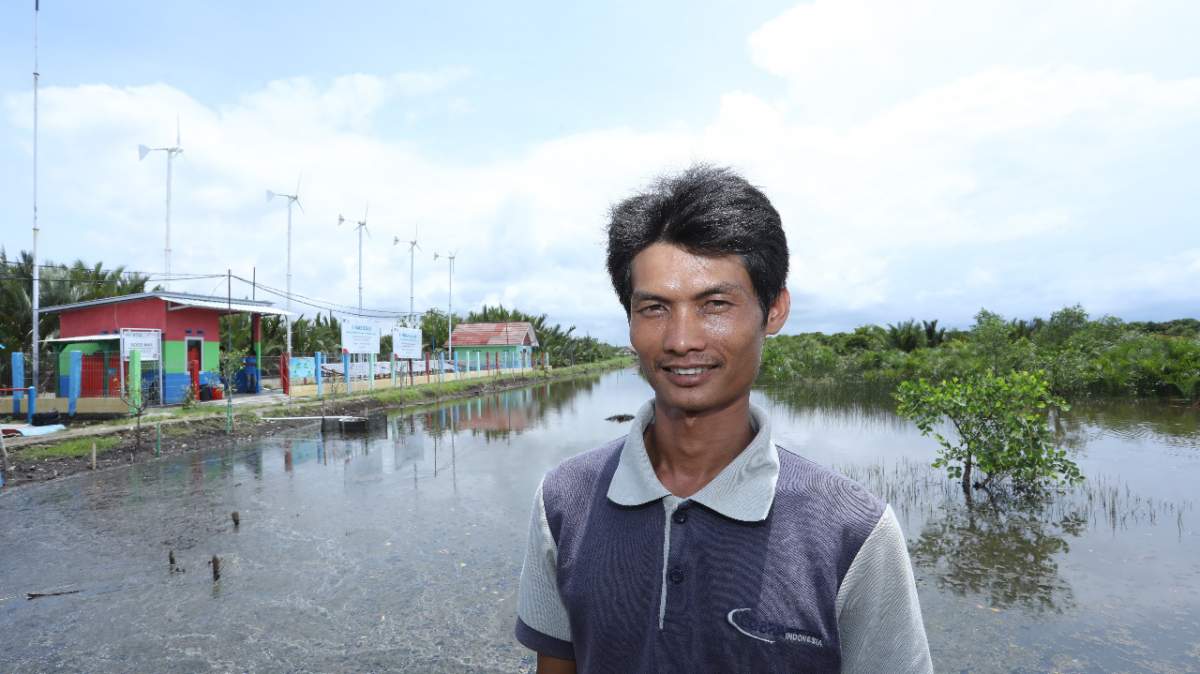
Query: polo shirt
[(777, 564)]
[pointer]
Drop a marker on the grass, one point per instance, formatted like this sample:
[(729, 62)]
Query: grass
[(69, 448)]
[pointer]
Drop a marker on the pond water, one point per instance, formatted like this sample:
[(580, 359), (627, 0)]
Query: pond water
[(401, 550)]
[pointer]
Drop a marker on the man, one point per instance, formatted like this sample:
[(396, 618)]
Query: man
[(696, 544)]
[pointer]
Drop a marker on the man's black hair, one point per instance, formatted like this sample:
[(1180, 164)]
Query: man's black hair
[(705, 210)]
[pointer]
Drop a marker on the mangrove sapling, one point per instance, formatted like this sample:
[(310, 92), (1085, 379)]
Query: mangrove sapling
[(1001, 426), (135, 398)]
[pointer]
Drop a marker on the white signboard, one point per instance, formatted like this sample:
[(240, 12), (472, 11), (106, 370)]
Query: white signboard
[(359, 337), (406, 342), (148, 342)]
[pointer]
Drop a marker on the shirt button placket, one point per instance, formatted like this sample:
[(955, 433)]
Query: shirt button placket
[(678, 599)]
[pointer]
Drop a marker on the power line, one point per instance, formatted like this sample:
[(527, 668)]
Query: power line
[(325, 304)]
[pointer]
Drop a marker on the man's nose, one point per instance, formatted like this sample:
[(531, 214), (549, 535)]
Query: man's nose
[(684, 333)]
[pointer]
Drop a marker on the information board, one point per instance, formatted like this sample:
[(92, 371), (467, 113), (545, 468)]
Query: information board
[(406, 342), (359, 336), (303, 367), (148, 342)]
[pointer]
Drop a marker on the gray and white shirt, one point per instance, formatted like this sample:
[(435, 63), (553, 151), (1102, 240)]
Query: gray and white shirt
[(777, 564)]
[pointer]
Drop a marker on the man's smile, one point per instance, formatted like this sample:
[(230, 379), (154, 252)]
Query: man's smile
[(689, 374)]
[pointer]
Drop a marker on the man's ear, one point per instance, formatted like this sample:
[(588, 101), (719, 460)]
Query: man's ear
[(778, 314)]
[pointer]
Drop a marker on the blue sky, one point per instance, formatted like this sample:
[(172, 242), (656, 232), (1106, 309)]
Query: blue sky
[(929, 158)]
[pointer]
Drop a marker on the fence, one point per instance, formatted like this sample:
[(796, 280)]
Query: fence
[(325, 374), (94, 381), (71, 380)]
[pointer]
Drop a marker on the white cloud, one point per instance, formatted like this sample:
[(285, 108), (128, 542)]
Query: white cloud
[(928, 158)]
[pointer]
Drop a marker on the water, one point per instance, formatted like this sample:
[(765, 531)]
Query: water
[(401, 551)]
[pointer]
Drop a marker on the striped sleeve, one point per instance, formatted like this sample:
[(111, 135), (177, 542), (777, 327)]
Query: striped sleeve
[(878, 613), (542, 622)]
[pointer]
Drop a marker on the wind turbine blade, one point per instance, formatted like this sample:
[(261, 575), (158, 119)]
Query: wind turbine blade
[(395, 240), (340, 219), (298, 179), (177, 143), (298, 204), (270, 195), (142, 152), (365, 211)]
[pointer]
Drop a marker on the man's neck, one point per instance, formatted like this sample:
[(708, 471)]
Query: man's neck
[(687, 451)]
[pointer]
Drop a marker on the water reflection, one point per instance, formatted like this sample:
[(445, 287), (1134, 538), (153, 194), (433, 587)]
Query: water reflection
[(842, 405), (1007, 555), (1005, 551)]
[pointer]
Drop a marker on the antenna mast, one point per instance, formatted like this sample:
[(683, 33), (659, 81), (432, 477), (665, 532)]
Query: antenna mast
[(36, 290)]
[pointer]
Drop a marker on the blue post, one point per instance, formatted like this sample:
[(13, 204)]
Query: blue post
[(18, 380), (76, 382), (32, 403), (441, 366), (346, 369), (371, 367), (456, 375), (319, 360), (392, 368)]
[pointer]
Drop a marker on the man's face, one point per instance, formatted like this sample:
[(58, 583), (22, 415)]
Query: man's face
[(697, 327)]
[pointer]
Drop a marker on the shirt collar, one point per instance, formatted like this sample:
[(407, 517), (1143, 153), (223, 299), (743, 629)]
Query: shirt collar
[(744, 490)]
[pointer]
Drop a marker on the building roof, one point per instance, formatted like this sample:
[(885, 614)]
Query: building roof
[(513, 333), (214, 302)]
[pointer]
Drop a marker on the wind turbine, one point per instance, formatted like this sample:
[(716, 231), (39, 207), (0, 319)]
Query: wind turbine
[(291, 199), (171, 152), (449, 306), (361, 226), (412, 246)]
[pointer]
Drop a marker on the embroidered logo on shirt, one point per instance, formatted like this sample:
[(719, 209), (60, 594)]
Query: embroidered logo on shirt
[(744, 622)]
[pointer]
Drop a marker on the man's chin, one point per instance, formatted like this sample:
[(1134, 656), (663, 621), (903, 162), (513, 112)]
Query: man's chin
[(690, 402)]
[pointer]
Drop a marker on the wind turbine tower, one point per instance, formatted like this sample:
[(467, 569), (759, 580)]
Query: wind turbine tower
[(291, 199), (412, 246), (361, 226), (171, 152)]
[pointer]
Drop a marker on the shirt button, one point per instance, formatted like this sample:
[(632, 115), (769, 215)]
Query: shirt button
[(680, 516), (675, 574)]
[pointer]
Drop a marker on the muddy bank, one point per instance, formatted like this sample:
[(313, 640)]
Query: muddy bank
[(182, 434)]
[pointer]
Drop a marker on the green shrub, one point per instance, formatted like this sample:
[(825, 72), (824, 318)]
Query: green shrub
[(1001, 426)]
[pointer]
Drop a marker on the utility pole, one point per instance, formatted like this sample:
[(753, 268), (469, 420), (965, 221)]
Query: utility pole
[(37, 289), (449, 306)]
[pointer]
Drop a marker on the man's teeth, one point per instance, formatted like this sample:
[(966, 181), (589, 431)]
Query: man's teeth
[(687, 370)]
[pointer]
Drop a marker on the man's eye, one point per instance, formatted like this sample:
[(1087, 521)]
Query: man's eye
[(651, 310), (717, 305)]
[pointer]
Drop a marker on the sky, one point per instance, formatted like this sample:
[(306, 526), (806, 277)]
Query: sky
[(928, 158)]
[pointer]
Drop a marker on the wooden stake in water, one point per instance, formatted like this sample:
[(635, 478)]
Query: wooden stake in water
[(216, 568), (158, 439)]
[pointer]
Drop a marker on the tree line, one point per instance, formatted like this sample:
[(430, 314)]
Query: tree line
[(1078, 355)]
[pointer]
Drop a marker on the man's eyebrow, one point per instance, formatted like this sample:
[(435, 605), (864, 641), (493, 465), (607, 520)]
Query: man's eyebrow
[(719, 289), (643, 296)]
